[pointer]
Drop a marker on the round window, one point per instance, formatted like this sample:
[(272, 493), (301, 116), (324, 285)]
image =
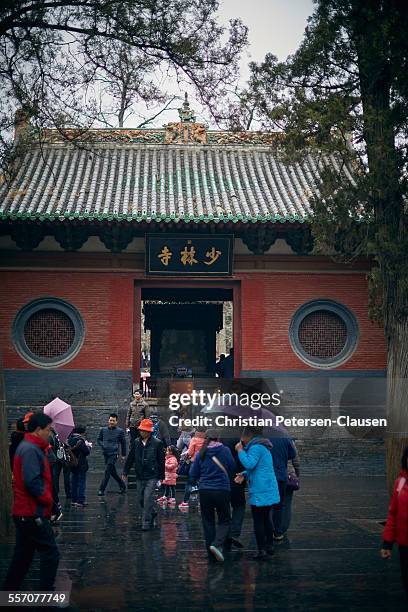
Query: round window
[(323, 333), (48, 332)]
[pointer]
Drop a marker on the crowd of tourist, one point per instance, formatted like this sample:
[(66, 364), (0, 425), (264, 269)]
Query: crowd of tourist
[(228, 471)]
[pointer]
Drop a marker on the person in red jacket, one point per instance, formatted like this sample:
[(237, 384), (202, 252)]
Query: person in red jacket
[(32, 487), (396, 527)]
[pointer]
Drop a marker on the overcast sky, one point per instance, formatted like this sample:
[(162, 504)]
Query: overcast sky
[(275, 26)]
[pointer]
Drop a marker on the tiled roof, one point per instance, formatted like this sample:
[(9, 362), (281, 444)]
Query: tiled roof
[(133, 175)]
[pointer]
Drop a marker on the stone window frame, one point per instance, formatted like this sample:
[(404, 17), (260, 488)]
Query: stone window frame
[(35, 306), (347, 316)]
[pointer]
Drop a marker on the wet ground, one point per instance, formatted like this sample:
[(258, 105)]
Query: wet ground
[(329, 560)]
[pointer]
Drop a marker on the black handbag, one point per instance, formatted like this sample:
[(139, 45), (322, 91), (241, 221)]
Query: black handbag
[(183, 468), (292, 483)]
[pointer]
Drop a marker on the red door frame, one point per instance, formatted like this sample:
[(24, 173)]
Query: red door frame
[(235, 285)]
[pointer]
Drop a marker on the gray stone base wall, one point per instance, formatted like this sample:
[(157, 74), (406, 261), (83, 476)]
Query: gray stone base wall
[(76, 387), (94, 395)]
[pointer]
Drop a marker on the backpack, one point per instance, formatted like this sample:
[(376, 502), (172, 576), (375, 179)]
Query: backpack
[(59, 449), (64, 453), (73, 459)]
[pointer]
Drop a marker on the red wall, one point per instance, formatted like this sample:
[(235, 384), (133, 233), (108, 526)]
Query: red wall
[(268, 301), (105, 301)]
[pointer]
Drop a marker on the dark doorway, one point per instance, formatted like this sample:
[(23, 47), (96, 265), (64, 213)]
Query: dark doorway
[(184, 332)]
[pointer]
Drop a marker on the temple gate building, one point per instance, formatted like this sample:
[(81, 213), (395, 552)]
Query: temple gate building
[(190, 231)]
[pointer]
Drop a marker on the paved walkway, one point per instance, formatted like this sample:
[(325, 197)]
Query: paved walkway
[(330, 560)]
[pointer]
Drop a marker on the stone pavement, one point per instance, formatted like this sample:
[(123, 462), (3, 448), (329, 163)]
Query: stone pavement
[(329, 561)]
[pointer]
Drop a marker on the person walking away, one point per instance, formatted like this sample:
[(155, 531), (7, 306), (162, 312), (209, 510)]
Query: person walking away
[(32, 507), (195, 445), (170, 477), (81, 450), (396, 527), (61, 465), (283, 450), (112, 440), (237, 498), (228, 365), (136, 412), (219, 366), (293, 469), (16, 437), (147, 456), (255, 454), (213, 468)]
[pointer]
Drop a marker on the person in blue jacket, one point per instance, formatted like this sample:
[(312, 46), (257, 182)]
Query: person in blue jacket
[(213, 468), (255, 454)]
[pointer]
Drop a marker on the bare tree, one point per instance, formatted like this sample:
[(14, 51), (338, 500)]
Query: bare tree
[(55, 56), (126, 79)]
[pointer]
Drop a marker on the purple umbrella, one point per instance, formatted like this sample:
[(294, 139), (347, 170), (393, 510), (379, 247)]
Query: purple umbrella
[(61, 414)]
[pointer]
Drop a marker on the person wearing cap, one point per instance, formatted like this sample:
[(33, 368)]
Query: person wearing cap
[(147, 456), (27, 417)]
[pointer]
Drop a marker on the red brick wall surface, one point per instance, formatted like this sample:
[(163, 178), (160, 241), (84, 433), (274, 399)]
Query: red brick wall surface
[(105, 302), (269, 301)]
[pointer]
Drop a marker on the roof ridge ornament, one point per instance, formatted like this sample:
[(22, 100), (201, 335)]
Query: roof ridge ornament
[(186, 114), (186, 131)]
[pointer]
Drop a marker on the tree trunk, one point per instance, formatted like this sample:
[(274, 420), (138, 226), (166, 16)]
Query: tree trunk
[(375, 75), (5, 488), (397, 404)]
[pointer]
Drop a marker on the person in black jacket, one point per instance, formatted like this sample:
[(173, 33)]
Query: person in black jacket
[(213, 468), (111, 439), (147, 455), (81, 451)]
